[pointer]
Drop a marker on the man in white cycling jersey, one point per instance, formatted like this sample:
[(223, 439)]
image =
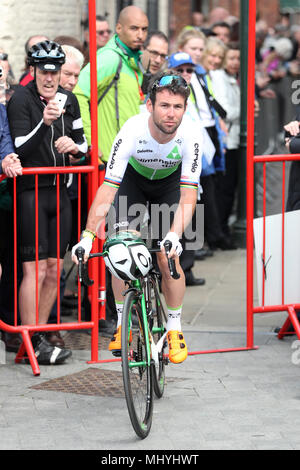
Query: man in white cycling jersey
[(155, 159)]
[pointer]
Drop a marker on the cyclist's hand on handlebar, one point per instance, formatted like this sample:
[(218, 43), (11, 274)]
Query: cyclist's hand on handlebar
[(176, 247), (86, 244)]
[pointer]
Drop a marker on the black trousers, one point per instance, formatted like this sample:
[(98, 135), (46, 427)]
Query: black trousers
[(226, 187), (212, 225)]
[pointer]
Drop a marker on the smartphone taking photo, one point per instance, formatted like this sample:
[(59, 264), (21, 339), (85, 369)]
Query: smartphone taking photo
[(60, 99)]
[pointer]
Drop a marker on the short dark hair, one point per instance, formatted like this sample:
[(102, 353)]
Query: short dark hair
[(86, 23), (175, 87), (221, 24), (156, 34)]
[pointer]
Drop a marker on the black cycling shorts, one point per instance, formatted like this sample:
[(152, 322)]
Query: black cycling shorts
[(147, 206), (47, 211)]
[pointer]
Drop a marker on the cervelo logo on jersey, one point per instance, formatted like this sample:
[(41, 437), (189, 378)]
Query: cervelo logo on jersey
[(195, 163), (113, 157)]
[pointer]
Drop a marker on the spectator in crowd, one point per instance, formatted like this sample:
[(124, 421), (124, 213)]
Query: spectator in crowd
[(198, 20), (274, 60), (155, 53), (227, 92), (213, 55), (26, 77), (9, 165), (69, 41), (7, 85), (70, 71), (222, 30), (121, 56), (103, 33), (43, 136), (195, 44), (217, 15), (71, 68)]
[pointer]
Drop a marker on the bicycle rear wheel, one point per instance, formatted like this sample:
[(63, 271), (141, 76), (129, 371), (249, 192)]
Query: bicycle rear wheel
[(137, 370), (156, 324)]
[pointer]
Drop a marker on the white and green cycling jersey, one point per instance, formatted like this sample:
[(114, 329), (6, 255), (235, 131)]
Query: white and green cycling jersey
[(135, 145)]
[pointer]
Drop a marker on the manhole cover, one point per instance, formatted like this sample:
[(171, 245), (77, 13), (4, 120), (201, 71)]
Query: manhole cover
[(81, 340), (92, 381)]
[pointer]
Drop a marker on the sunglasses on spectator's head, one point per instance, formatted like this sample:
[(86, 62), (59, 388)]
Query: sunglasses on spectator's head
[(170, 80), (3, 56), (100, 33), (187, 70)]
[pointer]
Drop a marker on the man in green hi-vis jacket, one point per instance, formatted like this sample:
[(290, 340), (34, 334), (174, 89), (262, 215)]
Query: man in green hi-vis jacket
[(121, 54), (118, 100)]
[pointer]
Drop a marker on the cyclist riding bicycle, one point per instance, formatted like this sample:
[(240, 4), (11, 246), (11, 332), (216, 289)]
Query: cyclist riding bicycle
[(155, 160)]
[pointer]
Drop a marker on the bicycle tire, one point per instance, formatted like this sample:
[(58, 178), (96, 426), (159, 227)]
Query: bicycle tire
[(137, 381), (156, 321)]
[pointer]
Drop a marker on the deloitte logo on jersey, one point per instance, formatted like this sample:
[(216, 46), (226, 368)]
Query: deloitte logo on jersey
[(174, 155)]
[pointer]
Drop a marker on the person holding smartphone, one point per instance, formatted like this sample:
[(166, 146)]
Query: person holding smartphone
[(45, 130)]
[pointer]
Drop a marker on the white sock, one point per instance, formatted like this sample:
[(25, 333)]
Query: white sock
[(119, 308), (174, 319)]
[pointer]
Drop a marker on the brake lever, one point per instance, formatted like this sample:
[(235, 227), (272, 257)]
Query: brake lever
[(171, 261), (82, 269)]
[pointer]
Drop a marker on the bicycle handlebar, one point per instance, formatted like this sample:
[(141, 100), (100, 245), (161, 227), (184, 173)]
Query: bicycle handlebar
[(83, 271)]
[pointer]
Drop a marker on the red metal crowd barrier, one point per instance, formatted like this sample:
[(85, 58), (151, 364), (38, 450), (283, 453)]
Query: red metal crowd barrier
[(96, 272), (97, 269), (253, 160)]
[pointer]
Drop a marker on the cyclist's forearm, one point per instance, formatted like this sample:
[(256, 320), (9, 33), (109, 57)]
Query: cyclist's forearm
[(100, 207), (184, 212)]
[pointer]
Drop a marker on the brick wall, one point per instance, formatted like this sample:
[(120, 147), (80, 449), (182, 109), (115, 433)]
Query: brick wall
[(20, 19), (182, 12)]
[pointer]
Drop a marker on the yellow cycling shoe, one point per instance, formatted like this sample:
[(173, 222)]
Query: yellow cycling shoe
[(177, 347), (115, 343)]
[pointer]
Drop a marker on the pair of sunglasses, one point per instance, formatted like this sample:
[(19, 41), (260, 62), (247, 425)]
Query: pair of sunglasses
[(170, 80)]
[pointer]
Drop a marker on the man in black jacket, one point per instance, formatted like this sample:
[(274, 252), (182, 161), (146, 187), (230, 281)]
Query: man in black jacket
[(44, 133)]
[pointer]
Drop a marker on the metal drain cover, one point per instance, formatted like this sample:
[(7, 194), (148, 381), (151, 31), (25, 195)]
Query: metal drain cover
[(81, 340), (92, 381)]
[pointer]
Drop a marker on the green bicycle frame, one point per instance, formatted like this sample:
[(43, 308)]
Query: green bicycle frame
[(137, 285)]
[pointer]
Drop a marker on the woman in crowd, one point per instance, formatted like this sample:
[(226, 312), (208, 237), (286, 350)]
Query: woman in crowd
[(227, 92)]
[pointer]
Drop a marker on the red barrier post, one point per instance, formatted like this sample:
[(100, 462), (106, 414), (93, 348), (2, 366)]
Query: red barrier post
[(93, 180), (250, 169)]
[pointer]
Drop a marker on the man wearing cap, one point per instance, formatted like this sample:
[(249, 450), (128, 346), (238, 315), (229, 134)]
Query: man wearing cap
[(44, 136)]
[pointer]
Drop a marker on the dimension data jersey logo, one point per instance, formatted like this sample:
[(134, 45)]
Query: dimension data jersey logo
[(174, 155)]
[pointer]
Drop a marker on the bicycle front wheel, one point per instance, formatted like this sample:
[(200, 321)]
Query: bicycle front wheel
[(156, 326), (136, 368)]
